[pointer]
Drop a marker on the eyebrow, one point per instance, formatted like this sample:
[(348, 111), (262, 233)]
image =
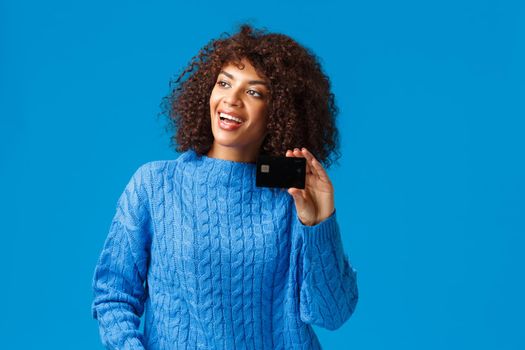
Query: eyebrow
[(261, 82)]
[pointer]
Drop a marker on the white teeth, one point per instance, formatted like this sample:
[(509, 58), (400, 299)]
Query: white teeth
[(227, 116)]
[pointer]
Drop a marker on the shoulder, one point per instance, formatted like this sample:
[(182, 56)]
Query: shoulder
[(155, 170)]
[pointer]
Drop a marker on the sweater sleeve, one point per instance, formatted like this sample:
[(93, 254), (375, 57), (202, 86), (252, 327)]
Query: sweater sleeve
[(120, 274), (328, 283)]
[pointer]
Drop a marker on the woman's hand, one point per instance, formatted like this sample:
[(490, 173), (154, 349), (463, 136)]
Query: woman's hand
[(316, 202)]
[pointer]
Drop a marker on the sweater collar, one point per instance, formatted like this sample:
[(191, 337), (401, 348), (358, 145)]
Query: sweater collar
[(223, 164), (227, 171)]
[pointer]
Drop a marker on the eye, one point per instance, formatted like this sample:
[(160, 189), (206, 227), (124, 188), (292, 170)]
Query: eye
[(254, 93), (258, 93), (220, 82)]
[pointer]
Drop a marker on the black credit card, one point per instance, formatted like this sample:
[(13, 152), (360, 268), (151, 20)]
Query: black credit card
[(280, 171)]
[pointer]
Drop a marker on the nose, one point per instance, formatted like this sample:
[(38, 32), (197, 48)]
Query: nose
[(232, 98)]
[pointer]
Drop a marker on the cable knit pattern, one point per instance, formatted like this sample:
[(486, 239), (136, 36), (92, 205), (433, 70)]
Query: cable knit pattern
[(214, 262)]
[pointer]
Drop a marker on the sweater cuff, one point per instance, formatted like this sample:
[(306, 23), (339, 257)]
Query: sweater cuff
[(322, 232)]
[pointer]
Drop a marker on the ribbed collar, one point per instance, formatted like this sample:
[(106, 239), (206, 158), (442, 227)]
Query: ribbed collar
[(230, 164), (222, 171)]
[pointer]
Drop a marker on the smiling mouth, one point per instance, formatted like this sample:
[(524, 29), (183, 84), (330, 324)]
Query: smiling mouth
[(226, 118)]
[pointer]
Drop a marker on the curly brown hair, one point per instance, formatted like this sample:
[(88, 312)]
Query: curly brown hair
[(302, 109)]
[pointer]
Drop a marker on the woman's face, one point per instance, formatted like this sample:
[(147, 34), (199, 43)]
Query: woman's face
[(244, 95)]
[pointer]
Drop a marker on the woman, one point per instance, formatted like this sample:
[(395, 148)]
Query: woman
[(215, 261)]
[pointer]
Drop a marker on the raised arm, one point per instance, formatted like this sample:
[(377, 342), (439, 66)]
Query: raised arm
[(120, 274), (328, 283)]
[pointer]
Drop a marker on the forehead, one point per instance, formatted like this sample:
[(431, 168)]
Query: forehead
[(242, 71)]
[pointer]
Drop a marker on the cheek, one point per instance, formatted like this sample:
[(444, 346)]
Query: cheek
[(213, 107), (214, 97), (262, 121), (263, 115)]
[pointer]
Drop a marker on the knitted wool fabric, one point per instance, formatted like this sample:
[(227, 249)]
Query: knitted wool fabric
[(215, 262)]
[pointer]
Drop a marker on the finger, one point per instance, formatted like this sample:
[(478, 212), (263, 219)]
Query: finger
[(298, 153), (321, 172), (309, 158), (316, 165)]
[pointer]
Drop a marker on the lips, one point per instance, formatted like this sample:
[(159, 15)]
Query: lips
[(232, 113), (227, 125)]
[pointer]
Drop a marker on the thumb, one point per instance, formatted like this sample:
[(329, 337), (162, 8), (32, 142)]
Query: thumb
[(297, 196)]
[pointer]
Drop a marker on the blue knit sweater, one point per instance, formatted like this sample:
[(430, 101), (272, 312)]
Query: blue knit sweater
[(217, 263)]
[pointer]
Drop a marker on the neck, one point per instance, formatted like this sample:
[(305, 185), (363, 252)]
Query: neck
[(233, 154)]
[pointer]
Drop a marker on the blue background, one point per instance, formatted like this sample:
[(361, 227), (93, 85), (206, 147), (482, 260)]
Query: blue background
[(430, 187)]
